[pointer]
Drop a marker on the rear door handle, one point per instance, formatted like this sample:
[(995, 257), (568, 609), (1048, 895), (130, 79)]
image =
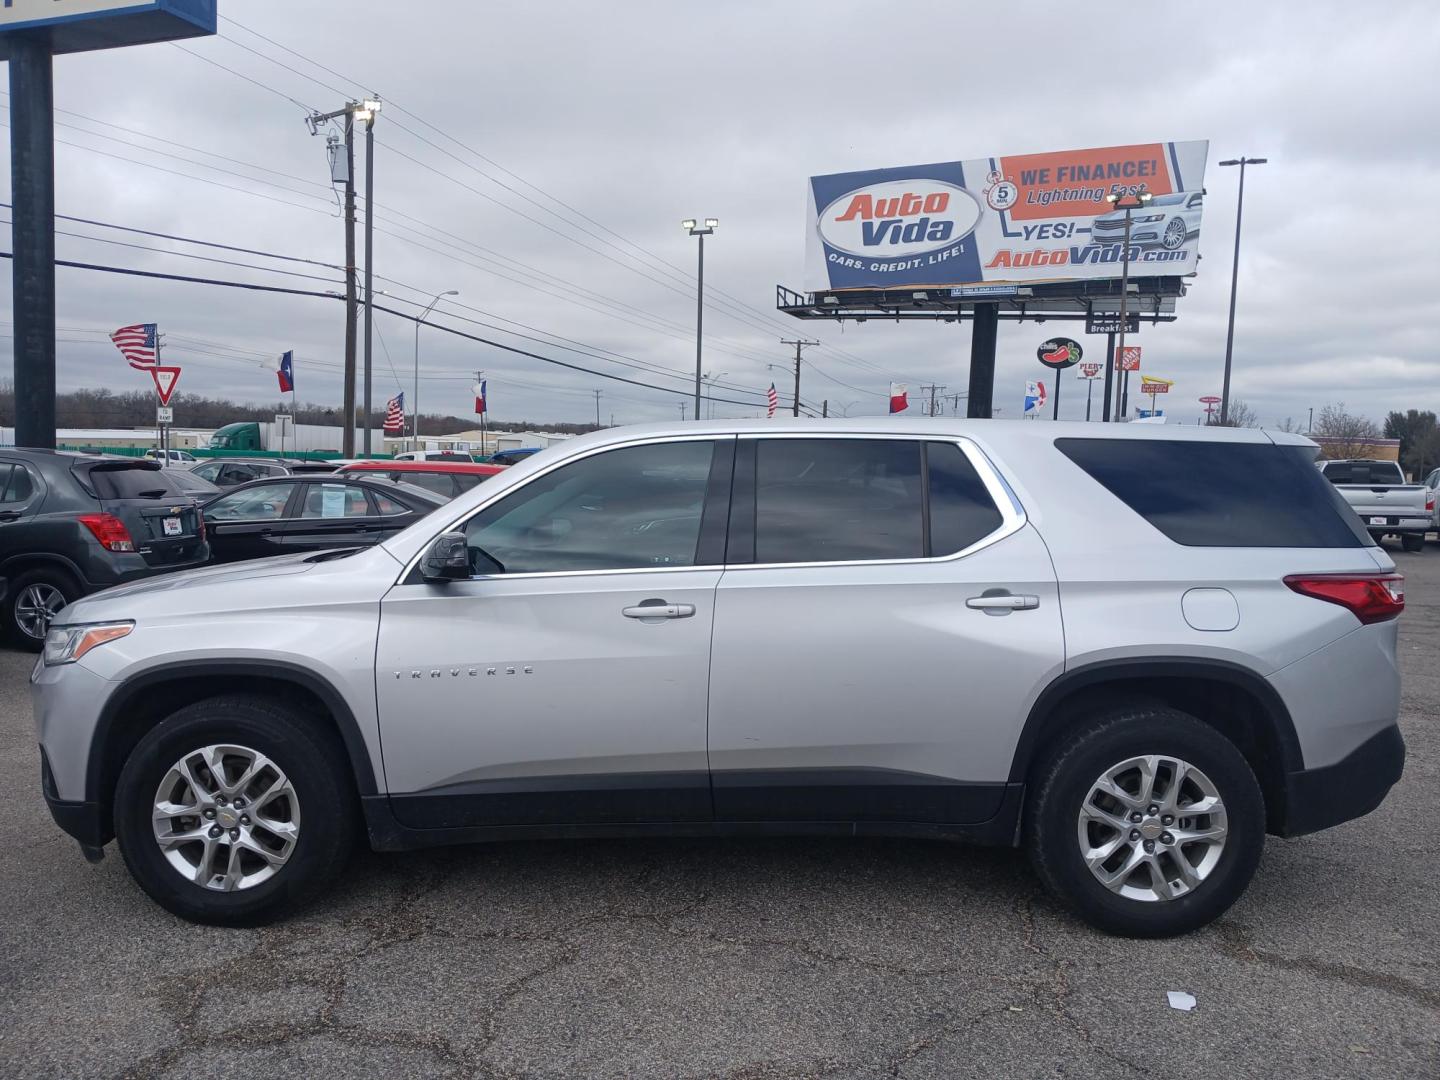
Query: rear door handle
[(658, 609), (1003, 603)]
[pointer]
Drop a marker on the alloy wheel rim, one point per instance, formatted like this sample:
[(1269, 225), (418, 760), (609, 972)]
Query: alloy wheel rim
[(1175, 234), (1152, 828), (226, 818), (36, 606)]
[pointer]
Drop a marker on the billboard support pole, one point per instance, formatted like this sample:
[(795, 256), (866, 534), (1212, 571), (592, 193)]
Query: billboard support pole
[(1089, 386), (985, 326), (32, 184), (1111, 359), (1055, 414)]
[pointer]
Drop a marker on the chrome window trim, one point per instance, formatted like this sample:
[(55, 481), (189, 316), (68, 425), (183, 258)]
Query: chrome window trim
[(461, 522), (1012, 513)]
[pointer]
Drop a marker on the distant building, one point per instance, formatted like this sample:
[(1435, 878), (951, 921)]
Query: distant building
[(1332, 448)]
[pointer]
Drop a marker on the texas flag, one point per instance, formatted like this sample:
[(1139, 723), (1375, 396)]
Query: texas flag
[(480, 407), (1034, 397), (286, 372), (899, 396)]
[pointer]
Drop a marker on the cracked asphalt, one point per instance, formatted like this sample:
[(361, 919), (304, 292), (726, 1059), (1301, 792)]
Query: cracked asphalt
[(746, 959)]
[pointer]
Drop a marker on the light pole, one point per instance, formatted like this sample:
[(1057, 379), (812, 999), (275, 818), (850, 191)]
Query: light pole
[(690, 226), (1234, 280), (1129, 203), (712, 379), (415, 401)]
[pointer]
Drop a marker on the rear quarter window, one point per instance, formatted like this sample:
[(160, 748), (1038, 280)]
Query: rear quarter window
[(1222, 494)]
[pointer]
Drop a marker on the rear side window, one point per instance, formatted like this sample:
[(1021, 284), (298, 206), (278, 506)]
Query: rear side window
[(961, 510), (15, 484), (134, 484), (1203, 494), (439, 483), (1363, 472), (831, 500)]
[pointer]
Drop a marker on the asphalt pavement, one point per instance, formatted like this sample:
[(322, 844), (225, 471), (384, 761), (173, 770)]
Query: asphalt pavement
[(744, 959)]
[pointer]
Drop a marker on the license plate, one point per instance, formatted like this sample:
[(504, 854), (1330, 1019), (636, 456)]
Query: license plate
[(1379, 521), (171, 526)]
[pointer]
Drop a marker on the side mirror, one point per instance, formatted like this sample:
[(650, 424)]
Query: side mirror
[(447, 560)]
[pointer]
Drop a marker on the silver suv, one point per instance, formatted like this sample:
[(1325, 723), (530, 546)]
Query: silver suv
[(1134, 651)]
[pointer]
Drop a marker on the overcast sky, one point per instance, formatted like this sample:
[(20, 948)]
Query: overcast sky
[(627, 117)]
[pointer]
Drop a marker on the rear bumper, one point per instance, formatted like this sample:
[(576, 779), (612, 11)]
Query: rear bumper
[(1316, 799)]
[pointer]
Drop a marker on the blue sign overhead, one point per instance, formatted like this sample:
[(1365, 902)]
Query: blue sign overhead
[(84, 25)]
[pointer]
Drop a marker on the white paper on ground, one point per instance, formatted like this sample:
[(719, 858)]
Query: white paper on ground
[(1179, 999)]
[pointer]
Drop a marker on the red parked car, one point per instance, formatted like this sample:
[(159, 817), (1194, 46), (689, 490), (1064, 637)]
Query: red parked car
[(445, 478)]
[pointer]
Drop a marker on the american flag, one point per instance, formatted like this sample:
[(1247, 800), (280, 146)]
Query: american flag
[(137, 344), (395, 414), (772, 399)]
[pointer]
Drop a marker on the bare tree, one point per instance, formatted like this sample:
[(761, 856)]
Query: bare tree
[(1240, 415), (1345, 435), (1290, 426)]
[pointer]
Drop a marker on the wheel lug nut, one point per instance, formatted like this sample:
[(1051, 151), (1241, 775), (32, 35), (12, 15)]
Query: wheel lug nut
[(1153, 810), (209, 814), (1136, 817), (219, 800), (234, 834), (1149, 847), (239, 804), (244, 819), (215, 832), (1167, 820), (1134, 834), (1166, 838)]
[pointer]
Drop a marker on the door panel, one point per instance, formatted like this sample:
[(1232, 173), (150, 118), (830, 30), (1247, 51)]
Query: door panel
[(874, 690), (536, 700)]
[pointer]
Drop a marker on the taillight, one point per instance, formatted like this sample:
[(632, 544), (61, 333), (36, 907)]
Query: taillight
[(1370, 597), (109, 530), (1430, 500)]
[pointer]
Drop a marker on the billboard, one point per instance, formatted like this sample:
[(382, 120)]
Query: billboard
[(1026, 219)]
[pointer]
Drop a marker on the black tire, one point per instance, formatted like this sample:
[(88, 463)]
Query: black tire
[(310, 756), (1413, 542), (1061, 782), (19, 593)]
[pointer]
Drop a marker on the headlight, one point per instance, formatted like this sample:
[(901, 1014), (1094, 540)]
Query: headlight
[(1149, 217), (66, 644)]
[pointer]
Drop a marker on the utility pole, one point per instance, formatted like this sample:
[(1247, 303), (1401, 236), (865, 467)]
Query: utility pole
[(933, 390), (825, 409), (955, 400), (800, 346), (351, 300), (682, 410), (367, 114), (695, 230), (597, 394)]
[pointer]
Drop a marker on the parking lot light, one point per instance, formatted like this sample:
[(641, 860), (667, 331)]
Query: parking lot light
[(1234, 279)]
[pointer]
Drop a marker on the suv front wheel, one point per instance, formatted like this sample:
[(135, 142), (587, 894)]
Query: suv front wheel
[(1146, 822), (235, 809)]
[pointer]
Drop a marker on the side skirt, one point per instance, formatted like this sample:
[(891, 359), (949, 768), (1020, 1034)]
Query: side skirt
[(388, 834)]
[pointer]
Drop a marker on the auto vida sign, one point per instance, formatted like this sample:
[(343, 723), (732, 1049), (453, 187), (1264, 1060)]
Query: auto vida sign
[(1032, 218)]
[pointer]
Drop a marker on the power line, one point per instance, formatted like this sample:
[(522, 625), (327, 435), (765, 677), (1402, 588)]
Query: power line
[(132, 272)]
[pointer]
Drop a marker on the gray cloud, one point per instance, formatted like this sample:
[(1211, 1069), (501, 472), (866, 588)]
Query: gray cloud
[(640, 114)]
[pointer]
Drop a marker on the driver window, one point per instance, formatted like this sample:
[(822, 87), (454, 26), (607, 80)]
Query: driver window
[(625, 509), (265, 502)]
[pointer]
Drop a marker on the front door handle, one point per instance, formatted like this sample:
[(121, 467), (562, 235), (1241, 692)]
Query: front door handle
[(658, 609), (1002, 603)]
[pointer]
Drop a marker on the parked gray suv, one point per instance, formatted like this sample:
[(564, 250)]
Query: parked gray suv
[(1134, 651)]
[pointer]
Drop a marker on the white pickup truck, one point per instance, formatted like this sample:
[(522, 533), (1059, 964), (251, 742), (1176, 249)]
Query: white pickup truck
[(1387, 505)]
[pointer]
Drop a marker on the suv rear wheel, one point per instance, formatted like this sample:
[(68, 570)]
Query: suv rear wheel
[(233, 810), (34, 599), (1146, 823)]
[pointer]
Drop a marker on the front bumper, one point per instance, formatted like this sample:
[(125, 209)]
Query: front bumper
[(1316, 799), (85, 821)]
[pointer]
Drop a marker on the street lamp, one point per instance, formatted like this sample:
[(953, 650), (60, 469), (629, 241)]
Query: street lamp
[(415, 401), (1234, 279), (1129, 203), (690, 226), (712, 379)]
